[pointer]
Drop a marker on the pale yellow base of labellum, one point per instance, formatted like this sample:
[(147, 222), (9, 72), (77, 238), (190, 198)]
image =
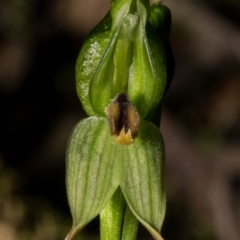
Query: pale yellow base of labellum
[(124, 138)]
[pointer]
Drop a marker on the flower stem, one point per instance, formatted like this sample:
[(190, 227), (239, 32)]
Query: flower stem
[(130, 225), (117, 221), (111, 217)]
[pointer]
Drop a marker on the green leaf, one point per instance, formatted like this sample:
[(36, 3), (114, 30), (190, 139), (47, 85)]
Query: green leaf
[(142, 181), (93, 172)]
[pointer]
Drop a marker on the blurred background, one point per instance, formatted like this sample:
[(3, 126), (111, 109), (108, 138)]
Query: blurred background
[(39, 43)]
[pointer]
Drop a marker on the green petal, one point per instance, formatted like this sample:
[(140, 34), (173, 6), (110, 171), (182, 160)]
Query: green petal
[(93, 172), (147, 74), (142, 181), (94, 67), (122, 54)]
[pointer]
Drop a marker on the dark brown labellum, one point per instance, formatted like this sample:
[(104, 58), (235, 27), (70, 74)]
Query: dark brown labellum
[(123, 119)]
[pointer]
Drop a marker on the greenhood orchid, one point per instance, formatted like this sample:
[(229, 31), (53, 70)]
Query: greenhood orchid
[(115, 157)]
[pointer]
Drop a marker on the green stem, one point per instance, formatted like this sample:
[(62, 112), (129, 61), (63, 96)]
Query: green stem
[(117, 221), (130, 225), (111, 217)]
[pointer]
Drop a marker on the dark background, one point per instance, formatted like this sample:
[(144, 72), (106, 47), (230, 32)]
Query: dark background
[(39, 43)]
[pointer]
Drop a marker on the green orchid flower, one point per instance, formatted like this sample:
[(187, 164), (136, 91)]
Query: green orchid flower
[(99, 161), (115, 157), (123, 53)]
